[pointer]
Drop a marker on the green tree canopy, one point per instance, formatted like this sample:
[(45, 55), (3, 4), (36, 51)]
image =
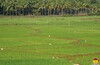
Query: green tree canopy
[(49, 7)]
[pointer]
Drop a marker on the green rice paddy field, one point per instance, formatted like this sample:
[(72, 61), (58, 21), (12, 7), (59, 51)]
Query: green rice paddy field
[(49, 40)]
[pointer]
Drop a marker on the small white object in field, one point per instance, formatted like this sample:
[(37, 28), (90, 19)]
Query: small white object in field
[(53, 57), (76, 64), (49, 36), (1, 48), (50, 44)]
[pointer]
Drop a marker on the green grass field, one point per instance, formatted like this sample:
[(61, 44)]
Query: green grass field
[(49, 40)]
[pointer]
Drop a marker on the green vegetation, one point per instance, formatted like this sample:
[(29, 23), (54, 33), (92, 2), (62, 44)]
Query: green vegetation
[(49, 40), (49, 7)]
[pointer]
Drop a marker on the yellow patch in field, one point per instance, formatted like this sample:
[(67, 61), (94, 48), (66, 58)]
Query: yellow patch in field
[(95, 61)]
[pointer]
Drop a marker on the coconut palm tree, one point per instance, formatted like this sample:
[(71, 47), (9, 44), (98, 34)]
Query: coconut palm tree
[(48, 7)]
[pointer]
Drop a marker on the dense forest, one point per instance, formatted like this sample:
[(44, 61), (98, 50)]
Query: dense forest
[(49, 7)]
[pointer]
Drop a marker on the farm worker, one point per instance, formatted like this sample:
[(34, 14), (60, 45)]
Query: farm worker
[(95, 61)]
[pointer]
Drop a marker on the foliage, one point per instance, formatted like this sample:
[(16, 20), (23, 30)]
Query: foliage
[(48, 7)]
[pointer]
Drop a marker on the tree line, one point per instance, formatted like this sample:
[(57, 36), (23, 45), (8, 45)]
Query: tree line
[(49, 7)]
